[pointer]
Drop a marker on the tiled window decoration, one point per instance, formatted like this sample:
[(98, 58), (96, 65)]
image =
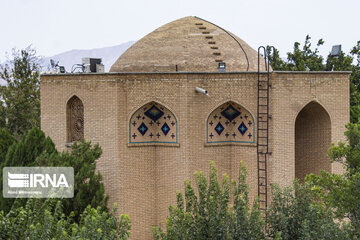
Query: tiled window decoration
[(75, 119), (230, 123), (153, 123)]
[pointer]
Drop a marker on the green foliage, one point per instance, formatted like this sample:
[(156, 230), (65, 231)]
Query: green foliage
[(30, 146), (35, 149), (2, 111), (275, 60), (207, 215), (355, 52), (340, 63), (342, 192), (22, 153), (6, 140), (349, 153), (20, 97), (88, 189), (355, 85), (294, 214), (46, 220), (305, 58), (302, 59)]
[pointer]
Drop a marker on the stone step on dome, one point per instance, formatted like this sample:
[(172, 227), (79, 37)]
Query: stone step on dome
[(189, 44)]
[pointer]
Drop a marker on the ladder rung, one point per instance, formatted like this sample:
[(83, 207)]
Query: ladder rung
[(263, 85)]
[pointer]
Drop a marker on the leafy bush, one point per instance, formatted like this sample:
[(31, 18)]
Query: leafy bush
[(35, 149), (294, 214), (46, 220), (207, 215)]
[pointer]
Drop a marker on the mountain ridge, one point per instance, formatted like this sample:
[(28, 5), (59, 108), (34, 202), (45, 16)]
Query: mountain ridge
[(108, 54)]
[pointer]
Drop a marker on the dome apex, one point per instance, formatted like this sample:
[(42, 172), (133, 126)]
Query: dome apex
[(189, 44)]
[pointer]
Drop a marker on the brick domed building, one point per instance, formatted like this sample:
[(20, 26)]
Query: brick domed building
[(155, 129)]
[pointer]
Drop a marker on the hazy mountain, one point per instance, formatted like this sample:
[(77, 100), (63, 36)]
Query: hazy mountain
[(108, 54)]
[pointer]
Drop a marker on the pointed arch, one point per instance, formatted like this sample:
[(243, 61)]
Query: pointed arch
[(312, 140), (75, 119), (153, 123), (230, 122)]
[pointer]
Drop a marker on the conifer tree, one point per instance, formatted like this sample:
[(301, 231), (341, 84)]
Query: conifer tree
[(20, 96), (35, 149)]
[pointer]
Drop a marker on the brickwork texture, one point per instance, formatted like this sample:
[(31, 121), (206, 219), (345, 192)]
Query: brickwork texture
[(308, 112)]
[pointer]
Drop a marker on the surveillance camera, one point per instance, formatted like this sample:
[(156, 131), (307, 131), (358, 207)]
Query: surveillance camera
[(201, 90)]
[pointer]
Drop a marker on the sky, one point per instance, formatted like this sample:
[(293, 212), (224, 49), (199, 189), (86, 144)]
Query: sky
[(53, 27)]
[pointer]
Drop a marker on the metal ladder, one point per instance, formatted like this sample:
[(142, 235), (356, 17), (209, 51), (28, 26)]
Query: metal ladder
[(263, 129)]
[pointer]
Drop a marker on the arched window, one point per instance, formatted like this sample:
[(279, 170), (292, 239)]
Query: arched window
[(153, 123), (230, 122), (75, 119)]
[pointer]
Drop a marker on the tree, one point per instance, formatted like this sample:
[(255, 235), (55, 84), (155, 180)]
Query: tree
[(294, 213), (207, 215), (20, 97), (22, 153), (6, 140), (355, 85), (342, 192), (302, 59), (47, 220), (88, 189), (35, 149)]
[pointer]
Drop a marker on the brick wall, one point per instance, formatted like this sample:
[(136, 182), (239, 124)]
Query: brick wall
[(143, 179)]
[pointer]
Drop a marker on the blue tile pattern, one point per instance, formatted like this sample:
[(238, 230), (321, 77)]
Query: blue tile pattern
[(229, 123), (143, 129), (165, 129), (154, 113), (242, 128), (230, 113), (219, 128), (153, 123)]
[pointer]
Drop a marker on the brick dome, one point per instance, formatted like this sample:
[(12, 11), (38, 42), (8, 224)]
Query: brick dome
[(188, 44)]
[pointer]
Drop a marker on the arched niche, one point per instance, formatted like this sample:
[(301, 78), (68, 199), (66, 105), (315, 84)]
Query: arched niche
[(229, 123), (312, 140), (153, 123), (75, 119)]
